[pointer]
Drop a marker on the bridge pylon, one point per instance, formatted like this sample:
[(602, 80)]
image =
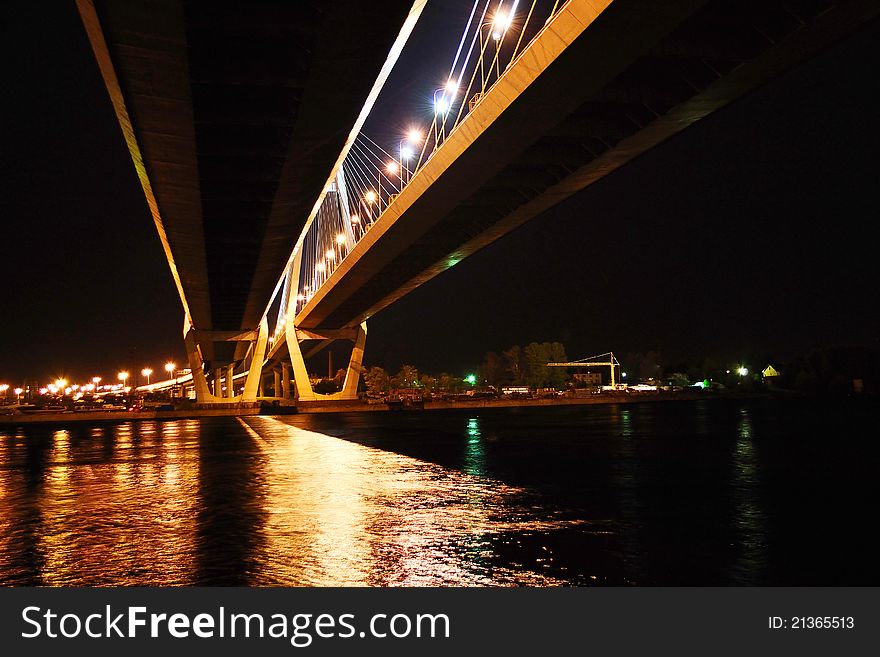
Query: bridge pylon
[(258, 340)]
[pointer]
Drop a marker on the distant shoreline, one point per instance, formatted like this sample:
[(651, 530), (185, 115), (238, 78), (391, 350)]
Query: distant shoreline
[(359, 406)]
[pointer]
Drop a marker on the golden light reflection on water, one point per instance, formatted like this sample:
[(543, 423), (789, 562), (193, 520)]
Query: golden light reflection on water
[(340, 513), (101, 510), (257, 502)]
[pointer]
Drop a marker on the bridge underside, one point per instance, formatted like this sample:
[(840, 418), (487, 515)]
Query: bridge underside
[(234, 114), (635, 75), (239, 112)]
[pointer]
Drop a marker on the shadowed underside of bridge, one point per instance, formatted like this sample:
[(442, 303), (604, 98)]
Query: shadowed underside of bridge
[(235, 114), (604, 82)]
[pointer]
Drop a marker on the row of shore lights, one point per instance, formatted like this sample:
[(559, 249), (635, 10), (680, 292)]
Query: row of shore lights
[(443, 101), (61, 385)]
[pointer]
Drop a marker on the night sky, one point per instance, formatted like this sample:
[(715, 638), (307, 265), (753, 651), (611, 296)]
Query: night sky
[(748, 236)]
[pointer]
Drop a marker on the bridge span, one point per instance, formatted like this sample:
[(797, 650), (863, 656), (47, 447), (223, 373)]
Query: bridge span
[(598, 83)]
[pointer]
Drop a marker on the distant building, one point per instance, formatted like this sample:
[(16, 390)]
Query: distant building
[(590, 378), (769, 373)]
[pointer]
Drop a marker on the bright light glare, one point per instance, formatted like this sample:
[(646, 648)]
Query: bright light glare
[(122, 376), (442, 106), (340, 238), (18, 391), (170, 367), (406, 153), (392, 167), (355, 219), (146, 371), (371, 196), (329, 253), (742, 371), (60, 383), (451, 86), (320, 268), (414, 136)]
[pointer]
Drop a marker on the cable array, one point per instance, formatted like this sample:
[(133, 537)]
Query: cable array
[(371, 176)]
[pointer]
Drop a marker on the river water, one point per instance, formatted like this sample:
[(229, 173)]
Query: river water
[(675, 493)]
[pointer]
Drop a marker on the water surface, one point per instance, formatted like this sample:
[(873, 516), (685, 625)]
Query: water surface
[(707, 492)]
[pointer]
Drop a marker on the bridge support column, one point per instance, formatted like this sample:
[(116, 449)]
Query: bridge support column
[(259, 339), (276, 378), (304, 390), (253, 383), (285, 381), (355, 364), (196, 365), (218, 382), (230, 383)]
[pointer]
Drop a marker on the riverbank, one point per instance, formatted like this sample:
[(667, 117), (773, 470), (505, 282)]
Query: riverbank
[(605, 398), (360, 406), (65, 417)]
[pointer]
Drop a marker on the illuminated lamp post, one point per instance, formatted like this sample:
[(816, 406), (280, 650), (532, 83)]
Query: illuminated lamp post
[(170, 367)]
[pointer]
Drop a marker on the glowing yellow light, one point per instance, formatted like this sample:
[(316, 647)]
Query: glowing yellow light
[(414, 136), (355, 219), (300, 297), (451, 86), (122, 376), (60, 383), (4, 387), (170, 367), (392, 167), (96, 380), (501, 23), (340, 239), (146, 371), (329, 254), (18, 391), (320, 268), (371, 196)]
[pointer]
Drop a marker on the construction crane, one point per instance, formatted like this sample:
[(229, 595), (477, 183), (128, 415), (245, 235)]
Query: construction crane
[(610, 361)]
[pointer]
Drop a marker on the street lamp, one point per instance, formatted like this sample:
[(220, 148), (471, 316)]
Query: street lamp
[(170, 367), (742, 371), (3, 388), (393, 169), (147, 372), (18, 392), (123, 377)]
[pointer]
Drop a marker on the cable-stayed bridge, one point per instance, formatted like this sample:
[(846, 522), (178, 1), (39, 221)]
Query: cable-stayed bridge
[(287, 227)]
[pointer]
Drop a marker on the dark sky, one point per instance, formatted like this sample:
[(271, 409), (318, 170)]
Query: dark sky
[(746, 236)]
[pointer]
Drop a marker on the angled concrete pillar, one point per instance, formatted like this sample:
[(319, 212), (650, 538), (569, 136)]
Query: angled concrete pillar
[(276, 378), (230, 383), (196, 365), (253, 384), (355, 365), (304, 390)]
